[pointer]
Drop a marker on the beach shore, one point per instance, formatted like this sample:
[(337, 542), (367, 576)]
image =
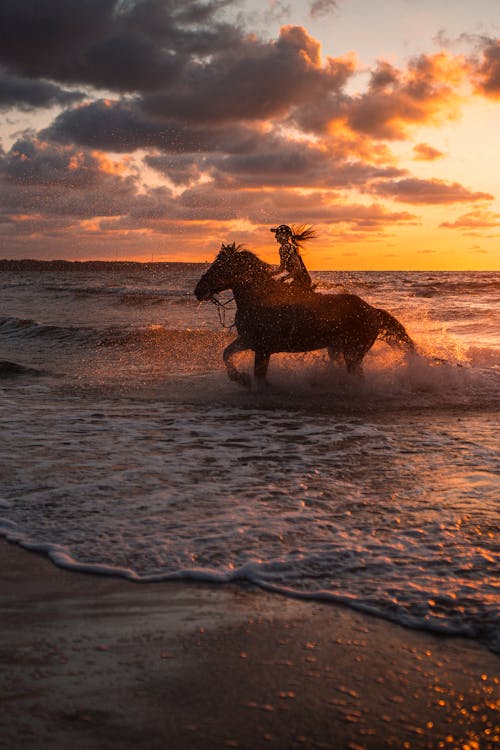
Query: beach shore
[(91, 662)]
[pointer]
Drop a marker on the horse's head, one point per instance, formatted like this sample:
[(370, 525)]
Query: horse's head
[(222, 274)]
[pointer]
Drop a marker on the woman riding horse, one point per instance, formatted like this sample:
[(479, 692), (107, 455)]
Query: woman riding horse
[(270, 320), (290, 259)]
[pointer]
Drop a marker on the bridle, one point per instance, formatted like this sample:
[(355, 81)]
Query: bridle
[(222, 310)]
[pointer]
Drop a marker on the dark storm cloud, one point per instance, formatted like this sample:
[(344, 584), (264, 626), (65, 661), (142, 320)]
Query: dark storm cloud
[(254, 80), (413, 190), (46, 38), (28, 94), (122, 126), (123, 46), (116, 126)]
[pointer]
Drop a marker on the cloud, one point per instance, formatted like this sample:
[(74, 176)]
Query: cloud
[(47, 180), (474, 220), (122, 126), (274, 161), (206, 202), (488, 70), (427, 92), (32, 162), (253, 83), (318, 8), (28, 94), (417, 191), (424, 152), (175, 54), (187, 69), (48, 188), (232, 154), (242, 130), (277, 11), (483, 63), (121, 46), (255, 80)]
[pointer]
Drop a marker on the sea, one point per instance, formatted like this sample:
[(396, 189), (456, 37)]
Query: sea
[(125, 450)]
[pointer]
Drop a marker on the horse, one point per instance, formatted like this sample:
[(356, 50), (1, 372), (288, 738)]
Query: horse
[(272, 317)]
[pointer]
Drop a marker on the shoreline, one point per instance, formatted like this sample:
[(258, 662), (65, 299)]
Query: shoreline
[(92, 661), (24, 263)]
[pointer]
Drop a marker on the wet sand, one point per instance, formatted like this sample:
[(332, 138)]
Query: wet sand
[(96, 663)]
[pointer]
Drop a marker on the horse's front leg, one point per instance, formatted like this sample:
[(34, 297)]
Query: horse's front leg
[(235, 347), (260, 369)]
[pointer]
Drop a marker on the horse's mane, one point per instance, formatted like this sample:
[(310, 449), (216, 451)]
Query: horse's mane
[(245, 252), (271, 287), (233, 247)]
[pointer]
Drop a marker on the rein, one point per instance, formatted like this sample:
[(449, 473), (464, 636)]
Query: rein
[(222, 310)]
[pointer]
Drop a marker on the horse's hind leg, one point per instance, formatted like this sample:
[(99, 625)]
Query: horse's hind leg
[(354, 359), (357, 351), (336, 357), (234, 348), (354, 365), (260, 369)]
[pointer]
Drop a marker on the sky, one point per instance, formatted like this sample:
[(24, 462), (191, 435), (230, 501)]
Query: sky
[(158, 129)]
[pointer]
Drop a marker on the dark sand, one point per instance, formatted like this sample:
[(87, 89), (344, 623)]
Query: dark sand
[(93, 663)]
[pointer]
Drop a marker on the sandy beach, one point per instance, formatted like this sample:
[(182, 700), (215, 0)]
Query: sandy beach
[(96, 662)]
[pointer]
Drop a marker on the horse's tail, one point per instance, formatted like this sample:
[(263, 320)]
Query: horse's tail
[(392, 331)]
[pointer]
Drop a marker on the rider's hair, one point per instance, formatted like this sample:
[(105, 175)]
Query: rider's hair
[(302, 233)]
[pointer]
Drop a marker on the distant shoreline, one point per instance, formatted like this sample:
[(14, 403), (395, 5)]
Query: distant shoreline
[(29, 264), (23, 264)]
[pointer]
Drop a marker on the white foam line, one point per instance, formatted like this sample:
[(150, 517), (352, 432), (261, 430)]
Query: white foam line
[(247, 572)]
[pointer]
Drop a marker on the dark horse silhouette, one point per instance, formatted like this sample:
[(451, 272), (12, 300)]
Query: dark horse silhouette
[(272, 317)]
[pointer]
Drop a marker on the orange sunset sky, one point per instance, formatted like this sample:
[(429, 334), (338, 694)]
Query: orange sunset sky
[(140, 129)]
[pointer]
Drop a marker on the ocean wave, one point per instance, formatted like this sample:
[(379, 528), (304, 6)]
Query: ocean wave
[(128, 296), (20, 328), (465, 288), (125, 336), (483, 356), (414, 284), (154, 336), (14, 369), (141, 299)]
